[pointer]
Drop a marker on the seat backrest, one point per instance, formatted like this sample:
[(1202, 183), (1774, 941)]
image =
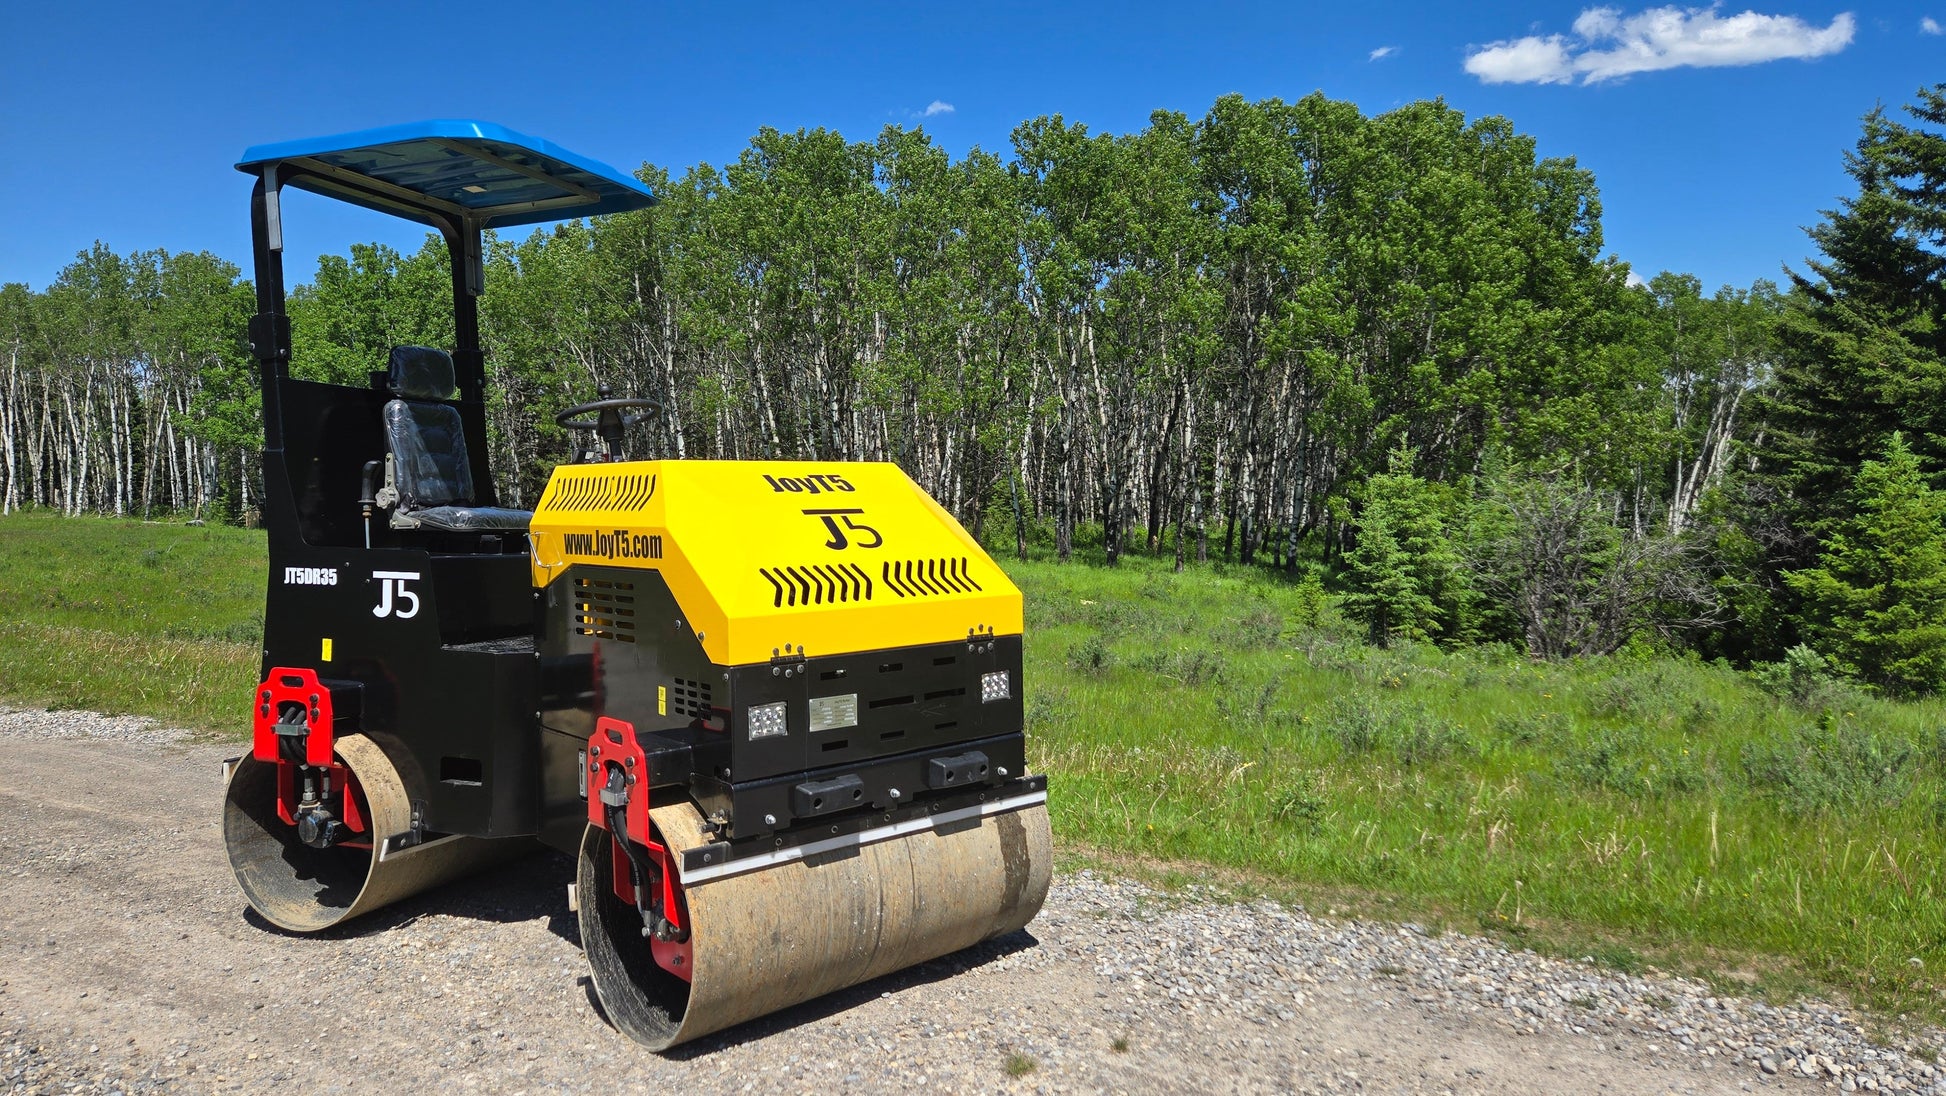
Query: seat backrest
[(427, 440)]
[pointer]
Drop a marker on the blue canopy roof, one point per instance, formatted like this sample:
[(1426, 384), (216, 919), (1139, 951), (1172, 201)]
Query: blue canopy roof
[(478, 172)]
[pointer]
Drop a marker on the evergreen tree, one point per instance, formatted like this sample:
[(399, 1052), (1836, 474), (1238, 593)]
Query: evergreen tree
[(1864, 338), (1385, 588), (1406, 574), (1876, 602)]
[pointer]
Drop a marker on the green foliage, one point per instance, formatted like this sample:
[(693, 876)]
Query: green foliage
[(1310, 604), (200, 311), (1741, 530), (1714, 351), (1091, 655), (1877, 599), (1629, 761), (1865, 337), (124, 386), (346, 320), (1407, 578), (1408, 733)]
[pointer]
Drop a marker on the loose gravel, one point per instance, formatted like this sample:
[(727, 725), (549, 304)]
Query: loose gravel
[(127, 964), (44, 724), (1262, 961)]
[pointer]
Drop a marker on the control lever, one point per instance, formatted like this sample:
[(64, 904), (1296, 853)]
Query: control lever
[(369, 499)]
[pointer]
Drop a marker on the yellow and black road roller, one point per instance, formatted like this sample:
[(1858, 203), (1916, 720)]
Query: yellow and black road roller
[(773, 708)]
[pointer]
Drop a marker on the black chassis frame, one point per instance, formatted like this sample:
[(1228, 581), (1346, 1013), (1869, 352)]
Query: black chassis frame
[(447, 690)]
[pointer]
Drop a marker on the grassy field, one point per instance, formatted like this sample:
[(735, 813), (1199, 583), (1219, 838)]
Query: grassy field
[(1636, 809), (1221, 723), (131, 617)]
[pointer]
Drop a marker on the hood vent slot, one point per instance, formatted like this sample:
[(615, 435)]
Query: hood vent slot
[(930, 577), (817, 584), (600, 491)]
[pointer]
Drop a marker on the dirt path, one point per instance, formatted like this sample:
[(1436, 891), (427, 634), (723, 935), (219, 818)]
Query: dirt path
[(128, 962)]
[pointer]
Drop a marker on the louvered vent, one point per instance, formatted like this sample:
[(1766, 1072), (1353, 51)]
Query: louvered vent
[(929, 577), (604, 609), (690, 698), (817, 584), (599, 491)]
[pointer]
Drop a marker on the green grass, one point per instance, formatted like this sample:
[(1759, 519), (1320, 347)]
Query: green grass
[(130, 617), (1222, 726), (1609, 808)]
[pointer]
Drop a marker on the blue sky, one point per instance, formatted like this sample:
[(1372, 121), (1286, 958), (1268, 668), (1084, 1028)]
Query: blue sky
[(120, 121)]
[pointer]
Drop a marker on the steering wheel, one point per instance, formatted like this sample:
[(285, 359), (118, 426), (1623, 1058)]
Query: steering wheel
[(609, 420)]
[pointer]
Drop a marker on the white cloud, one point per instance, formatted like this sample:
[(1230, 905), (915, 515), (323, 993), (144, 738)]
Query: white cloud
[(1635, 281), (937, 106), (1607, 44), (1382, 52), (1530, 60), (1931, 26)]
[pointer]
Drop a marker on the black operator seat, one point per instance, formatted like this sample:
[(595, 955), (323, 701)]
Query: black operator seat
[(428, 478)]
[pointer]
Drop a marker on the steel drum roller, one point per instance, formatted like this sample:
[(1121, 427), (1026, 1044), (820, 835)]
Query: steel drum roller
[(303, 889), (781, 935)]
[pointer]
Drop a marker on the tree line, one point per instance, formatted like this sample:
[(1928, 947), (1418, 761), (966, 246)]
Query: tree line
[(1280, 333), (115, 384)]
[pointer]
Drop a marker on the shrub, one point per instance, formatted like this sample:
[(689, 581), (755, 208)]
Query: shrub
[(1551, 552), (1356, 724), (1533, 728), (1427, 739), (1091, 655), (1260, 629), (1197, 667), (1804, 678), (1410, 733), (1622, 761), (1241, 709), (1309, 603), (1834, 766), (1297, 807)]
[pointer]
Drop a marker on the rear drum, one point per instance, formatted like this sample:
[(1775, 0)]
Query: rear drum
[(302, 889)]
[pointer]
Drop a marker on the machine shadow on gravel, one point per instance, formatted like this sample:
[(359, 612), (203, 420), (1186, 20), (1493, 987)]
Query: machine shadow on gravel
[(822, 1008), (530, 887)]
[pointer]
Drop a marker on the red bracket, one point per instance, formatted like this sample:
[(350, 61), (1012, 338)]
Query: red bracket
[(292, 686), (284, 686), (613, 746)]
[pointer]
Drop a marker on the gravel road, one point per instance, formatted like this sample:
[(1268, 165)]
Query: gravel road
[(129, 962)]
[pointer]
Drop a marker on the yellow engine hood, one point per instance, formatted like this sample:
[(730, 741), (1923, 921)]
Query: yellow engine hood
[(761, 555)]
